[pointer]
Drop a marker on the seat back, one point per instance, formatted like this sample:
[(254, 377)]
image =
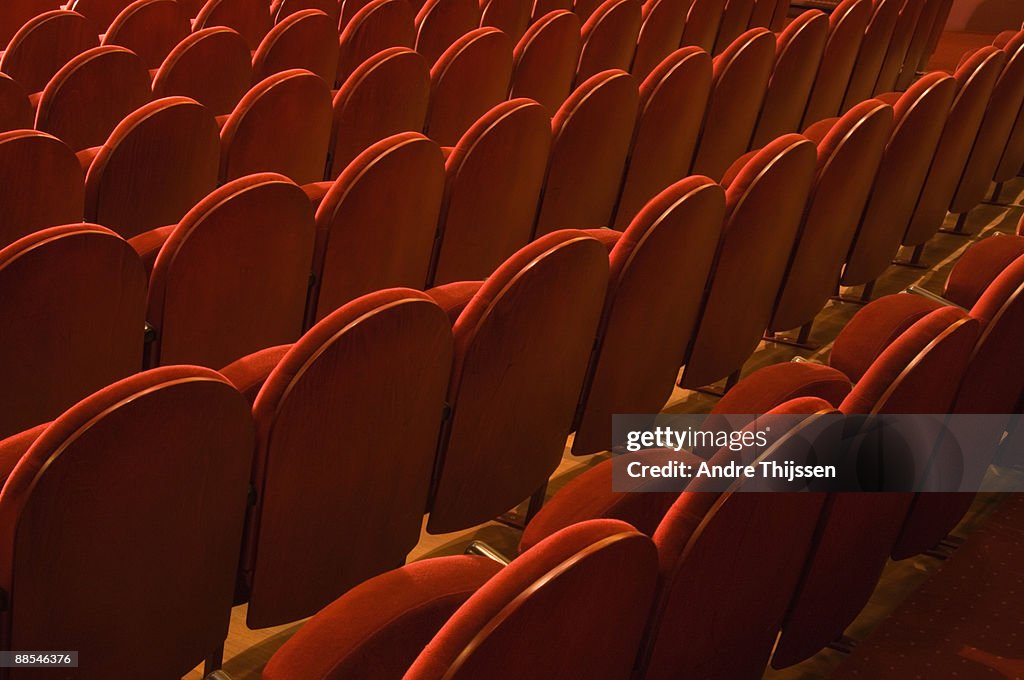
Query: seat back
[(798, 54), (380, 25), (848, 160), (15, 110), (544, 7), (157, 164), (509, 627), (331, 510), (150, 29), (250, 18), (702, 21), (660, 264), (916, 48), (920, 117), (762, 14), (389, 93), (672, 102), (995, 133), (44, 44), (847, 24), (390, 194), (660, 34), (439, 23), (495, 175), (471, 77), (975, 80), (266, 224), (609, 38), (27, 203), (512, 17), (515, 384), (282, 125), (147, 441), (186, 71), (877, 37), (73, 308), (716, 549), (282, 9), (896, 53), (94, 92), (545, 59), (15, 13), (584, 178), (764, 206), (741, 76), (1012, 158), (306, 40), (100, 12), (735, 19)]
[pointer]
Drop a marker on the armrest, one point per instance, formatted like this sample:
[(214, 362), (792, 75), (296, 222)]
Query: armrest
[(590, 496), (934, 297), (315, 192), (377, 629), (453, 297), (14, 447), (250, 372), (772, 386), (607, 237), (149, 243)]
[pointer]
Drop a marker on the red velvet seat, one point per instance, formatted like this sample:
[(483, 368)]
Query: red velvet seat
[(158, 163), (100, 12), (28, 204), (899, 44), (920, 117), (150, 28), (251, 18), (15, 109), (471, 77), (609, 38), (306, 40), (232, 276), (331, 511), (584, 178), (282, 125), (441, 22), (186, 71), (996, 131), (741, 76), (389, 93), (979, 265), (659, 266), (544, 61), (975, 81), (764, 207), (672, 103), (511, 17), (72, 301), (660, 34), (390, 194), (44, 44), (467, 617), (380, 25), (702, 22), (494, 179), (872, 51), (735, 21), (848, 160), (515, 383), (94, 92), (798, 52), (140, 554), (847, 24)]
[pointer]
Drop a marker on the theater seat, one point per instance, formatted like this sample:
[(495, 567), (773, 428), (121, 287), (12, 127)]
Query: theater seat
[(282, 9), (439, 23), (659, 267), (735, 20), (44, 44), (15, 109), (150, 28), (494, 179), (660, 34), (306, 40), (380, 25), (515, 383), (511, 17), (147, 442), (847, 24), (208, 308), (186, 71), (467, 617), (545, 59), (100, 12), (872, 51), (609, 38), (251, 18), (390, 194), (702, 22), (899, 44)]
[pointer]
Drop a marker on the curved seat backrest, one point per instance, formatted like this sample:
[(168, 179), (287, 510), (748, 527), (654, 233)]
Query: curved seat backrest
[(250, 18), (847, 24), (735, 19), (15, 109), (872, 51), (916, 48), (1012, 158), (282, 9), (324, 487), (762, 14), (73, 309), (186, 71), (150, 29), (147, 441), (495, 175), (210, 309), (545, 59), (44, 44), (609, 38), (896, 53), (380, 25), (439, 23), (499, 449), (512, 17), (390, 194), (660, 34), (100, 12), (702, 21), (306, 39)]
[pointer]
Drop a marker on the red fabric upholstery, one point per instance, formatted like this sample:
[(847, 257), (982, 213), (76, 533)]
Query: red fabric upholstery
[(979, 265), (14, 447), (441, 23), (250, 372), (148, 245), (772, 386), (817, 132), (251, 18), (847, 25), (186, 71), (453, 297)]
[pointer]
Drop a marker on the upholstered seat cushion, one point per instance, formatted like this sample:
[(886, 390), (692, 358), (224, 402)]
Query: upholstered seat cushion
[(453, 297), (250, 372), (14, 447), (766, 389)]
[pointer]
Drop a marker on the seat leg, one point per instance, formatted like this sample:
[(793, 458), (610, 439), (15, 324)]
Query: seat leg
[(997, 192), (214, 662), (862, 299), (915, 259), (519, 521), (731, 381), (959, 229), (844, 645), (801, 340)]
